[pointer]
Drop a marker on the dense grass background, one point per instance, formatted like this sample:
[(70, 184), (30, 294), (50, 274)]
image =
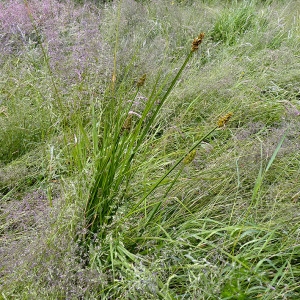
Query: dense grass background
[(87, 211)]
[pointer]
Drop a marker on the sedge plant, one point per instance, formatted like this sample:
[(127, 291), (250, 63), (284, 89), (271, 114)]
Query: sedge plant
[(179, 236), (119, 145), (121, 140)]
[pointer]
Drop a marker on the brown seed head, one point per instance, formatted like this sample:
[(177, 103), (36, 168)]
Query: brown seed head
[(127, 124), (197, 41), (223, 120), (141, 81)]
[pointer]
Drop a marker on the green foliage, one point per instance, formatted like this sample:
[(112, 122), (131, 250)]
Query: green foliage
[(24, 121), (111, 189), (233, 22)]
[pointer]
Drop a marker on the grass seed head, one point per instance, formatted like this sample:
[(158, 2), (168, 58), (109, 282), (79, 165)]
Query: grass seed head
[(197, 41), (223, 120), (127, 124), (190, 157), (142, 80)]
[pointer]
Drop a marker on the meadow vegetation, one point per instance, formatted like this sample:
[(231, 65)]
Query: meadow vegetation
[(142, 159)]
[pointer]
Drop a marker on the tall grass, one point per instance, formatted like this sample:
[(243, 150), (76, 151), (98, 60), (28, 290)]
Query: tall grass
[(120, 141), (119, 185)]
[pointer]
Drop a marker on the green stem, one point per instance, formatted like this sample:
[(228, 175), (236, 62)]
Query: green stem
[(151, 120), (175, 165)]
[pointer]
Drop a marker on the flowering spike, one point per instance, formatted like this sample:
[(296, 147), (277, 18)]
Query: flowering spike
[(197, 41), (141, 81), (223, 120), (190, 157), (127, 124)]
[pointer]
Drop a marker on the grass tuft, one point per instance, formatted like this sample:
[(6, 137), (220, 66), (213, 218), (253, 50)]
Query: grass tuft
[(123, 172)]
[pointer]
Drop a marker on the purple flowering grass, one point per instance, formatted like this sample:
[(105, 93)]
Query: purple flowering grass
[(70, 34)]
